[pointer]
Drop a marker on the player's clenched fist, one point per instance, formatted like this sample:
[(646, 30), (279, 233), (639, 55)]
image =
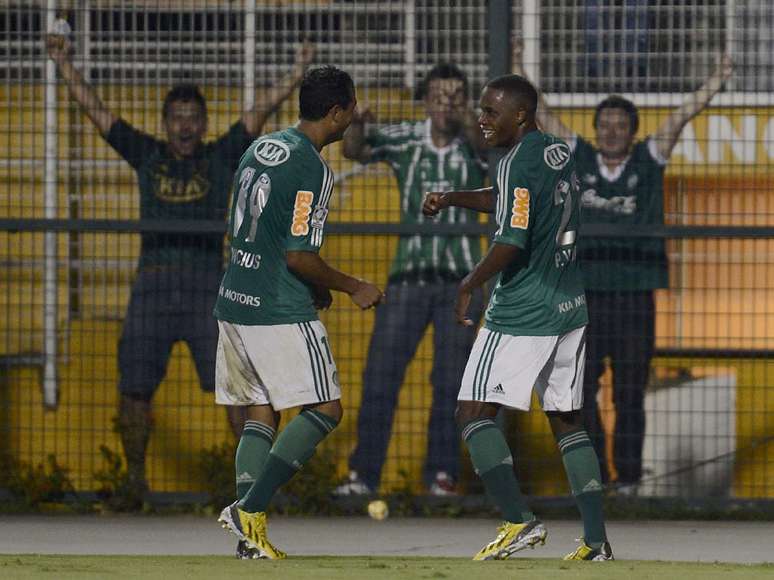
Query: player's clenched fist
[(434, 202), (366, 295)]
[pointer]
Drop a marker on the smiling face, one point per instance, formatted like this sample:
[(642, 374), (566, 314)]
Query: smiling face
[(614, 132), (186, 125), (499, 119), (445, 104)]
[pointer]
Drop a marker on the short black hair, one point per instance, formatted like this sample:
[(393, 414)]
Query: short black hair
[(518, 88), (443, 70), (619, 102), (186, 93), (323, 88)]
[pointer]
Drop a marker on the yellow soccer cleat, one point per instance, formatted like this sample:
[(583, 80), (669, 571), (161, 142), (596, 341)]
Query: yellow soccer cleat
[(511, 538), (585, 552), (250, 527)]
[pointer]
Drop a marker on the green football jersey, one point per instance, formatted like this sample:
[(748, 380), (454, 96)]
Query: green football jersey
[(279, 203), (538, 210), (419, 167), (633, 194)]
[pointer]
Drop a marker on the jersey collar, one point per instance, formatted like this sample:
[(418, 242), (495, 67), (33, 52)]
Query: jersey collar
[(428, 139)]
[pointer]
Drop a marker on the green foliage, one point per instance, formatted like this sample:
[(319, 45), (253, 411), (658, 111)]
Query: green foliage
[(402, 500), (216, 466), (117, 491), (35, 485)]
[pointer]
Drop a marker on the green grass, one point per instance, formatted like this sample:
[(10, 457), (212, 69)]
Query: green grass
[(356, 568)]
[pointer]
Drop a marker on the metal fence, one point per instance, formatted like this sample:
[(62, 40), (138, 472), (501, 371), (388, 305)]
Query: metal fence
[(71, 217)]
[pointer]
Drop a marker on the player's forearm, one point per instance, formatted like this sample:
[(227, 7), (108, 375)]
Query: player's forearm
[(85, 95), (497, 258), (354, 146), (481, 200), (311, 268)]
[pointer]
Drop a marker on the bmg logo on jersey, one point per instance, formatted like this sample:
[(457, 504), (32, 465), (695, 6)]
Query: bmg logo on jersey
[(271, 152), (520, 211)]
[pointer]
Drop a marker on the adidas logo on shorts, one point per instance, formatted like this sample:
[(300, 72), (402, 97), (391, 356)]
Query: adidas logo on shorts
[(498, 388)]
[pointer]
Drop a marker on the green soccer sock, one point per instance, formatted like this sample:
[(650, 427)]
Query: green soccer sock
[(493, 462), (251, 453), (582, 466), (293, 448)]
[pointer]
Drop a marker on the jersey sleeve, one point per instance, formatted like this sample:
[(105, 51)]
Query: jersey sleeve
[(387, 142), (131, 144), (515, 215), (310, 208)]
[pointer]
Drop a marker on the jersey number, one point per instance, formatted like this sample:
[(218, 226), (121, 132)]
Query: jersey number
[(251, 201), (563, 196)]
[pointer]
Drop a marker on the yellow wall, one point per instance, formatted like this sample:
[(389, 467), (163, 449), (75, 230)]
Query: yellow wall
[(720, 296)]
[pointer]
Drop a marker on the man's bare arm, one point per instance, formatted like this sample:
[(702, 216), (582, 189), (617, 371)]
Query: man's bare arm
[(354, 144), (480, 200), (310, 267), (84, 94), (669, 132), (498, 257), (269, 100)]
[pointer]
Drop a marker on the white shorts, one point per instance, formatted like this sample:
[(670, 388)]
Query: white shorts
[(503, 369), (284, 365)]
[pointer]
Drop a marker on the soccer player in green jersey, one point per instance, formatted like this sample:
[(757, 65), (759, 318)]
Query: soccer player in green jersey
[(179, 178), (622, 182), (535, 324), (434, 154), (273, 351)]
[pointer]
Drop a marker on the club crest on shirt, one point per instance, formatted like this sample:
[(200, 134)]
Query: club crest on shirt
[(271, 152), (556, 156), (631, 183), (318, 217)]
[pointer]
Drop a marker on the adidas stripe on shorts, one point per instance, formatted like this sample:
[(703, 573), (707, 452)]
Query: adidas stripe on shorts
[(285, 365), (504, 369)]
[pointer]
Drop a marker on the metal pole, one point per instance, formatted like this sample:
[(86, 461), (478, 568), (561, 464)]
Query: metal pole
[(410, 46), (248, 91), (50, 290), (530, 32), (499, 22)]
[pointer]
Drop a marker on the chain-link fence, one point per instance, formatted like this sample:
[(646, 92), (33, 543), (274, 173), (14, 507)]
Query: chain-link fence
[(85, 225)]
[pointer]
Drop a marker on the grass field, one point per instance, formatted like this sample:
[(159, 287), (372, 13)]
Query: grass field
[(350, 568)]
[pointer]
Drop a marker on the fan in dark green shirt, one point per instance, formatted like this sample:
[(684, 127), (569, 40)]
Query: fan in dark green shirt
[(180, 177), (622, 182)]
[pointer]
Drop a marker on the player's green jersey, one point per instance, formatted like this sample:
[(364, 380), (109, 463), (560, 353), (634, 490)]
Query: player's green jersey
[(538, 210), (419, 167), (279, 203), (633, 194)]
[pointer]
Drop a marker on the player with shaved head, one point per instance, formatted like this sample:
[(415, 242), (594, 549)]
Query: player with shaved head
[(534, 333)]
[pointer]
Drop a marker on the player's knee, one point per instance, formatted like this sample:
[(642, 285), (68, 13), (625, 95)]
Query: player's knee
[(331, 409)]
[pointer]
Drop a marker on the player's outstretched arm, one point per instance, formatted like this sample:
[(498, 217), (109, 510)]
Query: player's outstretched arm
[(354, 145), (669, 131), (481, 200), (310, 267), (547, 119), (497, 258), (84, 94), (269, 100)]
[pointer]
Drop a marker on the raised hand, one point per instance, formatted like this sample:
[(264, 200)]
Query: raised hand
[(58, 47)]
